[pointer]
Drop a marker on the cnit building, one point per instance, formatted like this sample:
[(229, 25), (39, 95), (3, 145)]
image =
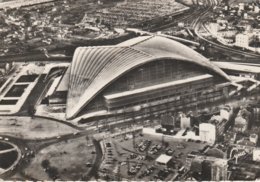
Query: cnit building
[(147, 74)]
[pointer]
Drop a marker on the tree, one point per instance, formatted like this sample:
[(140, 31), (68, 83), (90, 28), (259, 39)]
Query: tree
[(53, 173), (97, 21), (166, 144), (45, 163)]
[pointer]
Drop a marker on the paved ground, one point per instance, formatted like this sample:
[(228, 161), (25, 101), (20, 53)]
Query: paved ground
[(33, 128), (125, 148), (33, 96)]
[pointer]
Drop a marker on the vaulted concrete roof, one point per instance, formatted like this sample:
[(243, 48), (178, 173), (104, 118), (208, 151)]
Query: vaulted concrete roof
[(94, 68)]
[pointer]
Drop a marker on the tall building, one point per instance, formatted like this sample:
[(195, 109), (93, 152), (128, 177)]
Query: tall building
[(256, 112), (144, 76), (242, 120), (241, 6), (209, 168), (207, 132), (185, 121), (5, 68), (219, 170), (256, 154), (167, 122), (253, 138), (243, 40), (256, 9), (216, 126)]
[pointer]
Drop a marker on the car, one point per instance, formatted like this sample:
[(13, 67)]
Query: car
[(108, 145), (169, 152), (123, 163), (75, 133), (88, 164), (158, 147), (180, 146), (6, 139), (58, 137), (140, 176), (139, 165), (1, 138), (133, 156)]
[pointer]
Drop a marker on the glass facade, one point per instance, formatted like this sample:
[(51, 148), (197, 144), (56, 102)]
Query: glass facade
[(154, 73)]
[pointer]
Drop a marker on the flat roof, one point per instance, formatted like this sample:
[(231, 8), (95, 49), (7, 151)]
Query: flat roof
[(155, 87), (237, 67), (163, 158)]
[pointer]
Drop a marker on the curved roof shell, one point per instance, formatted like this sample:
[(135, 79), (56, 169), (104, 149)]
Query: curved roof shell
[(94, 68)]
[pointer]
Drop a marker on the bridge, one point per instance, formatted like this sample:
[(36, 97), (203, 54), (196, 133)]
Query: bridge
[(141, 32)]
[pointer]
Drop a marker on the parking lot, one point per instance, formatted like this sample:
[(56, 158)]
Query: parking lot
[(135, 157)]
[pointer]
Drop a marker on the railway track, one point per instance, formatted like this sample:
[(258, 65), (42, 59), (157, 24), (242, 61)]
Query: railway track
[(198, 23)]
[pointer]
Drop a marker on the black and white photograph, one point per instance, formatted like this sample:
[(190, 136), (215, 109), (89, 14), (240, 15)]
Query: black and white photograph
[(129, 90)]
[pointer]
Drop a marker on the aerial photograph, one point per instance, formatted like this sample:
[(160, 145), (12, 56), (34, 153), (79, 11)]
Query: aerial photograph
[(129, 90)]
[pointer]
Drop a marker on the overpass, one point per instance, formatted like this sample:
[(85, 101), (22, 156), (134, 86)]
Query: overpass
[(141, 32)]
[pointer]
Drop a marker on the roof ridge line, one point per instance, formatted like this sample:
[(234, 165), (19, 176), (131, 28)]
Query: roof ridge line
[(140, 51), (147, 38), (105, 46)]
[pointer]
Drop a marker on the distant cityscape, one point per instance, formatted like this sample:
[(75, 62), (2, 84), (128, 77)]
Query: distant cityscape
[(130, 90)]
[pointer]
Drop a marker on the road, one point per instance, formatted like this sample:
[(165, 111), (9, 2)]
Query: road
[(97, 163), (26, 146), (33, 57), (195, 17), (32, 98), (199, 23), (36, 146)]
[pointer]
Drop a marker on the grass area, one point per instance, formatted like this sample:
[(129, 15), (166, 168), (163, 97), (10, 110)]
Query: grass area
[(69, 158), (16, 90), (7, 159), (27, 78), (8, 102)]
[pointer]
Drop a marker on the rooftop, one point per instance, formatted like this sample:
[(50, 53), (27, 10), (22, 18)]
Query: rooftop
[(164, 159), (94, 68), (237, 67)]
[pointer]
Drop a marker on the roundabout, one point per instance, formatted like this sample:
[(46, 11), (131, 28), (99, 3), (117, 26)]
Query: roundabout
[(10, 155)]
